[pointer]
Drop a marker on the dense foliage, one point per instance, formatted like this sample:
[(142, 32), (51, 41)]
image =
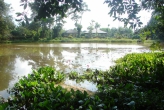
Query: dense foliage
[(127, 11), (50, 8), (49, 25), (153, 30), (117, 8), (132, 8), (119, 32), (6, 23), (39, 91), (135, 82)]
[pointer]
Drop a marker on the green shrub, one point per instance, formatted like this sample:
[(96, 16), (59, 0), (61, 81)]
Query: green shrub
[(137, 82), (134, 83), (38, 91)]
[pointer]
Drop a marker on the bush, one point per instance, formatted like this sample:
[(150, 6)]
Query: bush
[(134, 83), (137, 82), (38, 91)]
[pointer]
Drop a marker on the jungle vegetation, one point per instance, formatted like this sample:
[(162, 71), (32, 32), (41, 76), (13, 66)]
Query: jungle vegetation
[(48, 26)]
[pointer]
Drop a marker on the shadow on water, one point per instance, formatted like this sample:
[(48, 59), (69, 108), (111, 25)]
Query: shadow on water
[(19, 59)]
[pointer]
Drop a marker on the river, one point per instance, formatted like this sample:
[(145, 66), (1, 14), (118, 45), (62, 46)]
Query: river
[(17, 60)]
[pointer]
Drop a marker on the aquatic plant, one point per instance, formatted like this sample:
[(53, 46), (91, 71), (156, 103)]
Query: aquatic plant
[(134, 83)]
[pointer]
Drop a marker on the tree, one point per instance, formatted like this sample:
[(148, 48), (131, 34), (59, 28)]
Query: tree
[(50, 8), (120, 32), (131, 8), (79, 27), (97, 25), (6, 23), (91, 27), (155, 27), (46, 25), (77, 17), (57, 29), (144, 35), (122, 10), (106, 30), (84, 9), (76, 8), (153, 30), (117, 8)]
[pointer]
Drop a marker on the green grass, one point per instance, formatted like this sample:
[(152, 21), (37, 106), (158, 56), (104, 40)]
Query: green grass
[(108, 40), (64, 39)]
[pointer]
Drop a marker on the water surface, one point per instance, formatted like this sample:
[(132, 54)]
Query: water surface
[(17, 60)]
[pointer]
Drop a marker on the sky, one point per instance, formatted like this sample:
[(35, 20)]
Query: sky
[(99, 13)]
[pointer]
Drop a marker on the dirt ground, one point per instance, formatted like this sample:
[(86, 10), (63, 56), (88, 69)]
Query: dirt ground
[(69, 87)]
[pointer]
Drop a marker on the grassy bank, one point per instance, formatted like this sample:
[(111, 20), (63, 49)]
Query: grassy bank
[(108, 40)]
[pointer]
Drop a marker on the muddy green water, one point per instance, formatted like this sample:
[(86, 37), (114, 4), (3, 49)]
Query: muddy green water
[(17, 60)]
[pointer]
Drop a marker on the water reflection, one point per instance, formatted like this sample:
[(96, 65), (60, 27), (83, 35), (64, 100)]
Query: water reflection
[(7, 67), (19, 59)]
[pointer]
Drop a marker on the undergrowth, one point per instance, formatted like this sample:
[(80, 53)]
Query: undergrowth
[(134, 83)]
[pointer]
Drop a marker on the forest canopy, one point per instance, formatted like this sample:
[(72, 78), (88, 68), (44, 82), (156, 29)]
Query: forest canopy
[(46, 20), (49, 8)]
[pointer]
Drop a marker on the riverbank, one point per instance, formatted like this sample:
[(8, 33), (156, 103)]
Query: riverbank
[(106, 40)]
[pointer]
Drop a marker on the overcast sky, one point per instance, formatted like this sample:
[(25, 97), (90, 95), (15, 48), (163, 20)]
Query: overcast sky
[(99, 13)]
